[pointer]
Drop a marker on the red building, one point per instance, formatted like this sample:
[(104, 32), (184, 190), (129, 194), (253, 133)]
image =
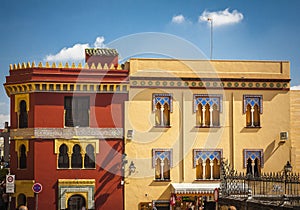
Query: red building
[(67, 132)]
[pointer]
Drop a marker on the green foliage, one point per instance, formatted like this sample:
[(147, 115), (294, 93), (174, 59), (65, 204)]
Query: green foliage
[(3, 173)]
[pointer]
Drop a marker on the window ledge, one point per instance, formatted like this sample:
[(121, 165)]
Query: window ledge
[(214, 126), (162, 126), (253, 127), (207, 180), (165, 180)]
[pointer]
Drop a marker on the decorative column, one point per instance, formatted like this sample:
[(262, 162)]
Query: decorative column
[(162, 115), (252, 166), (203, 115), (70, 160), (82, 156), (162, 169), (211, 170), (204, 173), (252, 116), (211, 116)]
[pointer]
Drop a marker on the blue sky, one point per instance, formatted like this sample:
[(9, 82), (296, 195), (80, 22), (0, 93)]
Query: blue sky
[(44, 30)]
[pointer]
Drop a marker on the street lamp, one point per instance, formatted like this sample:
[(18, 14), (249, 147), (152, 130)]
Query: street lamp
[(211, 36), (287, 169), (131, 168)]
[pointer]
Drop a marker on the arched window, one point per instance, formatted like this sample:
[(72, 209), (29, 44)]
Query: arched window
[(216, 169), (249, 167), (207, 114), (23, 116), (162, 169), (89, 157), (256, 116), (76, 157), (22, 158), (166, 169), (63, 157), (207, 163), (256, 167), (157, 169), (199, 169), (21, 200), (207, 169), (248, 116), (253, 110), (215, 116), (207, 109), (166, 114), (162, 163), (157, 114), (162, 106), (253, 162)]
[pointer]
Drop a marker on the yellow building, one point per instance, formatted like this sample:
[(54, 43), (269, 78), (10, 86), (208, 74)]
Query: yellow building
[(184, 116), (295, 131)]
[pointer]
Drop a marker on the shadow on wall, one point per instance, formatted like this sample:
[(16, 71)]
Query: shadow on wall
[(271, 149), (110, 179)]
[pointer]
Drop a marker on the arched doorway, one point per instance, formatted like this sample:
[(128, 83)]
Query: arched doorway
[(76, 202)]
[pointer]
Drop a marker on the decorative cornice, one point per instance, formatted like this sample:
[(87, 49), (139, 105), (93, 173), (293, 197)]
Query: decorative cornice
[(101, 52), (213, 83), (76, 182), (67, 133), (47, 65), (12, 89)]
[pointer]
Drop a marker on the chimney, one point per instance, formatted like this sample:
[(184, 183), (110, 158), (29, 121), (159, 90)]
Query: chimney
[(102, 56)]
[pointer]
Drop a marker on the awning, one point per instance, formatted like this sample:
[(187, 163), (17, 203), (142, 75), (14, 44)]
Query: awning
[(191, 188)]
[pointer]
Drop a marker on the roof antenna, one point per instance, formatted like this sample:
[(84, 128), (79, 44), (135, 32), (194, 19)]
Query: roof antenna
[(211, 36)]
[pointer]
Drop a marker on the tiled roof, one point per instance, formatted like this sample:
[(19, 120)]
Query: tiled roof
[(101, 52)]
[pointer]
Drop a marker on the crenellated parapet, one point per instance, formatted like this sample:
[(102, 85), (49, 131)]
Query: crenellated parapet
[(79, 66)]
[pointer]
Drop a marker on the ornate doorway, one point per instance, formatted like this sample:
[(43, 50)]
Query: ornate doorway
[(76, 202)]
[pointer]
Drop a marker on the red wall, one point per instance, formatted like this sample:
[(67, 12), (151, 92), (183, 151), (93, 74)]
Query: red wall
[(47, 110), (108, 190)]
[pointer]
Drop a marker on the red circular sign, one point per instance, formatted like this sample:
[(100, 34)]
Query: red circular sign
[(37, 188), (10, 178)]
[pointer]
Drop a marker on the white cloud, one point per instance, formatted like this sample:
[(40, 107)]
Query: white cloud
[(178, 19), (99, 43), (74, 53), (297, 87), (220, 18)]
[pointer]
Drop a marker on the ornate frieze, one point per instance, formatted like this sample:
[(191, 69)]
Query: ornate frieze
[(211, 83), (67, 133)]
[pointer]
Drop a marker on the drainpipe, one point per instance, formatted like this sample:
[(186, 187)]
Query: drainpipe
[(182, 135), (232, 133)]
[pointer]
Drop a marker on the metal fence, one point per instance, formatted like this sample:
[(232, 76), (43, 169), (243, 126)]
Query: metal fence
[(282, 187)]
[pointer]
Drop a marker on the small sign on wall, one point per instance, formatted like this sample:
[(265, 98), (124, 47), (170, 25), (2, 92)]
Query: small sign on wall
[(10, 183)]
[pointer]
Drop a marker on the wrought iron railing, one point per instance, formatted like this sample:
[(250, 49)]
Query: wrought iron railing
[(280, 186)]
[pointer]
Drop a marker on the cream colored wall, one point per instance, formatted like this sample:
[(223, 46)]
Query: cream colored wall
[(295, 131), (231, 136), (207, 68)]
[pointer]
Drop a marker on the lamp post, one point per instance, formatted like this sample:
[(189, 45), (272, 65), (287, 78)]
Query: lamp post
[(211, 36), (287, 169), (131, 168)]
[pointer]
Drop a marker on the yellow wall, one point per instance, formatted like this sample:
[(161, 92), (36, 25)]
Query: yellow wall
[(232, 136), (295, 131)]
